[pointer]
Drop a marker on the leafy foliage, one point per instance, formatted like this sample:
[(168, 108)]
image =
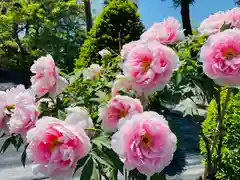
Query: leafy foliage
[(118, 23), (29, 29), (230, 167)]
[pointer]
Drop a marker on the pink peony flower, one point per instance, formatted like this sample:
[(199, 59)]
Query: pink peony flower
[(145, 142), (12, 94), (150, 65), (93, 72), (25, 114), (233, 17), (127, 48), (55, 146), (46, 78), (212, 24), (117, 109), (166, 32), (221, 57), (7, 101)]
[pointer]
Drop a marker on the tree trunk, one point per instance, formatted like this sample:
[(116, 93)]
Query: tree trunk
[(185, 12), (88, 14)]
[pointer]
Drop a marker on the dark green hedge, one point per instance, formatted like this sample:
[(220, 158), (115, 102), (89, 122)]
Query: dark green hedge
[(230, 168), (118, 23)]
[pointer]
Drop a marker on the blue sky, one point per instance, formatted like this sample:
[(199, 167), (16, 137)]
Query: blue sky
[(155, 10)]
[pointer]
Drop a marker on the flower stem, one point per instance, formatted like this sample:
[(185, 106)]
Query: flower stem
[(221, 127), (218, 136)]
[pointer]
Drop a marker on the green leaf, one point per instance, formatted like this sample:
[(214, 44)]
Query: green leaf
[(80, 163), (61, 115), (6, 144), (17, 141), (102, 141), (102, 158), (87, 170), (95, 174), (24, 155), (114, 159), (178, 78)]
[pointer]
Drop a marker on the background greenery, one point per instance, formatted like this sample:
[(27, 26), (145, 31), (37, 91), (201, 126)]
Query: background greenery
[(29, 29), (117, 24), (230, 167)]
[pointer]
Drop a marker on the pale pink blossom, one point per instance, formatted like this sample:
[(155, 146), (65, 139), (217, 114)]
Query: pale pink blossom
[(2, 108), (47, 78), (7, 101), (104, 52), (220, 56), (93, 72), (145, 142), (81, 115), (117, 109), (213, 23), (167, 32), (12, 94), (150, 65), (126, 83), (24, 115), (233, 17), (55, 146), (127, 48)]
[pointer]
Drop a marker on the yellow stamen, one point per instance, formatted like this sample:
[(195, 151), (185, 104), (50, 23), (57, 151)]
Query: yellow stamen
[(230, 54), (146, 65), (9, 107), (123, 113), (146, 140), (54, 144)]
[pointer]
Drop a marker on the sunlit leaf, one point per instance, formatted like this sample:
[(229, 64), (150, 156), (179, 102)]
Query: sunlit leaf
[(102, 141)]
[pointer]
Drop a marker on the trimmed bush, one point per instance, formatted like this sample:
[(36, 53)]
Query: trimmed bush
[(119, 23), (230, 167)]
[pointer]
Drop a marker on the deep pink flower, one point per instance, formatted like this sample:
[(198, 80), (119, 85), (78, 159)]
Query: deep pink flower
[(150, 65), (145, 142), (166, 32), (117, 109), (55, 146), (220, 56), (212, 24), (46, 78)]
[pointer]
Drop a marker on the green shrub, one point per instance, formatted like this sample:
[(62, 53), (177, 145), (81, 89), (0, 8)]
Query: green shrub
[(119, 23), (230, 168)]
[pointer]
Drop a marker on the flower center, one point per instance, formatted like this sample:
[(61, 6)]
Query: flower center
[(146, 64), (230, 54), (146, 140), (9, 107), (53, 144), (123, 113)]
